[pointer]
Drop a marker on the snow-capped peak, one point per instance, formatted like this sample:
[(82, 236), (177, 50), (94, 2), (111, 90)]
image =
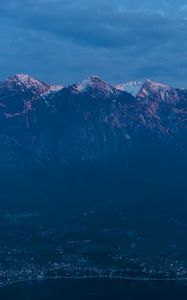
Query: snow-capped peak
[(94, 83), (156, 90), (88, 82), (25, 79), (24, 82), (56, 88), (151, 87), (138, 88), (157, 85), (132, 87)]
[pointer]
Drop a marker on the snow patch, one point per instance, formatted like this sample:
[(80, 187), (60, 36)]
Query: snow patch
[(94, 83), (24, 82), (132, 87)]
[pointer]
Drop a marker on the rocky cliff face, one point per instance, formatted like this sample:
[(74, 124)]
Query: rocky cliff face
[(47, 126)]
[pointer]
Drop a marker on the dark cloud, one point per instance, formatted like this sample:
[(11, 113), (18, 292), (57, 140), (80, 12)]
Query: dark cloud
[(64, 41)]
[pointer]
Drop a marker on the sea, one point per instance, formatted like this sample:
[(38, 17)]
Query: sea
[(95, 289)]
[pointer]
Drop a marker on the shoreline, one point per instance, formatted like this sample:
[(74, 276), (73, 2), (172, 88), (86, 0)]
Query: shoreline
[(107, 277)]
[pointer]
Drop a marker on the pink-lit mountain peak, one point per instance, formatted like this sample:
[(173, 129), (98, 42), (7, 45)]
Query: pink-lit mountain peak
[(156, 85), (137, 87), (25, 82), (24, 79), (154, 89), (94, 83)]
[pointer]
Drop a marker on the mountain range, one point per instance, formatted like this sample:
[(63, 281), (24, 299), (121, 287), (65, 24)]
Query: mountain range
[(53, 126)]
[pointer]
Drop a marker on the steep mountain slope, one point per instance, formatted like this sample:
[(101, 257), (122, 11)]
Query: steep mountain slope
[(91, 120), (18, 92), (166, 104), (95, 86), (87, 120)]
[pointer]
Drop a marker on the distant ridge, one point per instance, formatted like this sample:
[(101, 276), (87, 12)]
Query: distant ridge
[(92, 120)]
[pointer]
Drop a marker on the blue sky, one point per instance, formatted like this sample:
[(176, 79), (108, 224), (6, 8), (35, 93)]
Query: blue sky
[(64, 41)]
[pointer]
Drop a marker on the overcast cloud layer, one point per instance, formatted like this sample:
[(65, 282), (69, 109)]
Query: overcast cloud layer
[(64, 41)]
